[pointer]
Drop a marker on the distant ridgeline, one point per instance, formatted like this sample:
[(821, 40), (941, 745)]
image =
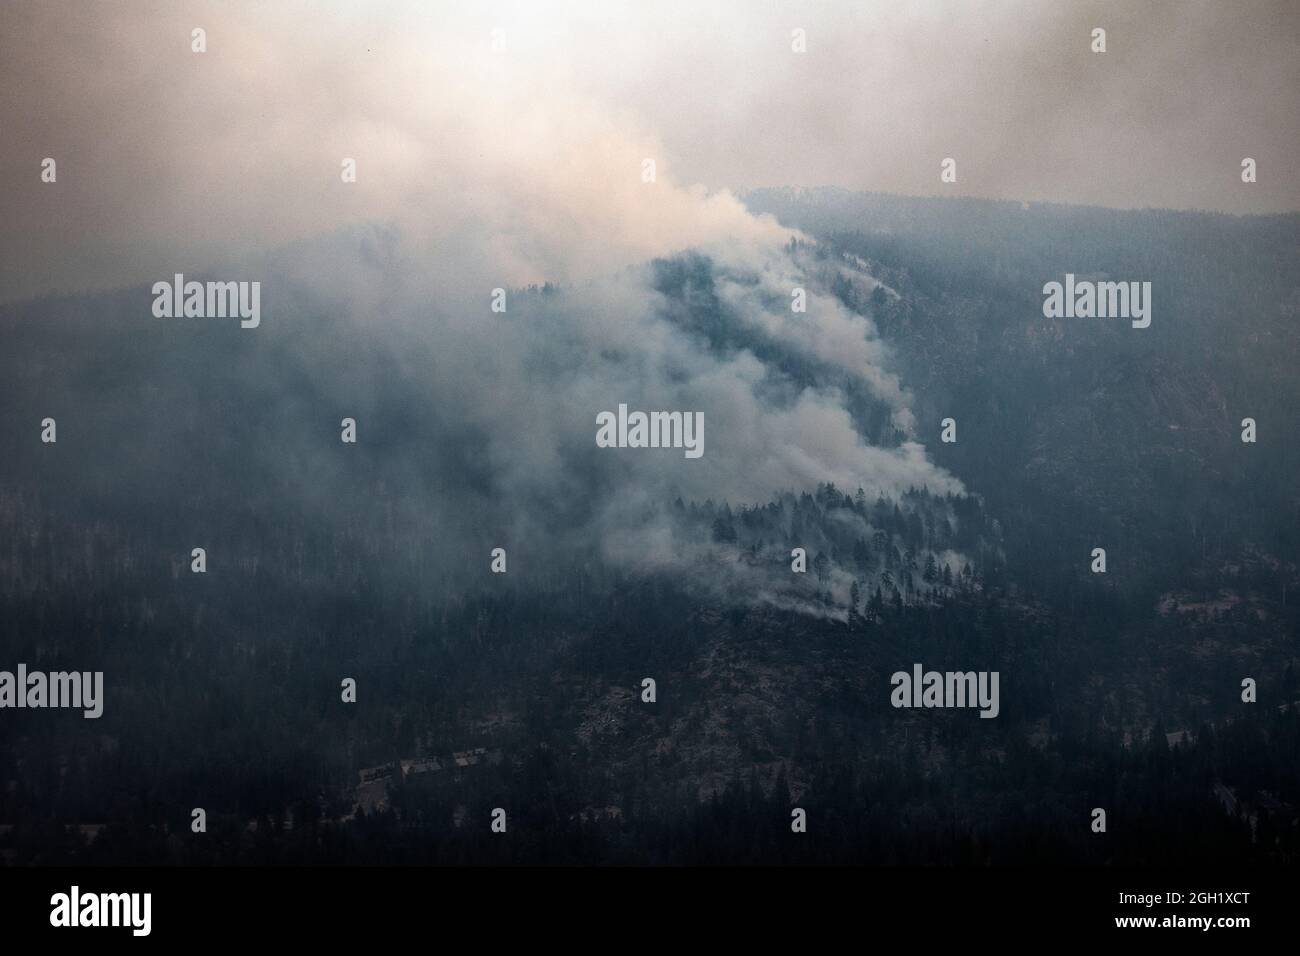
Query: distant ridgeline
[(1074, 431)]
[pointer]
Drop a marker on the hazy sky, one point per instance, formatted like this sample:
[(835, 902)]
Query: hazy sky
[(171, 160)]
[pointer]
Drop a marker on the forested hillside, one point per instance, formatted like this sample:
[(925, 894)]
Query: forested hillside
[(772, 682)]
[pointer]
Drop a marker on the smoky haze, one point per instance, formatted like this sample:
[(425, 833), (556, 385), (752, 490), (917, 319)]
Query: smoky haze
[(482, 168), (531, 155), (476, 428)]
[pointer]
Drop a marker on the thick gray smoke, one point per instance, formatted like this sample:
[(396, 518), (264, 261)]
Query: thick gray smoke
[(510, 401), (477, 169)]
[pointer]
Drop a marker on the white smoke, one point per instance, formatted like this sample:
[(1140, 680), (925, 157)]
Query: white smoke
[(480, 170)]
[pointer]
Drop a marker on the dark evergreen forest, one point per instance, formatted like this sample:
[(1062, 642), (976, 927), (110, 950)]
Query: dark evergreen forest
[(1119, 690)]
